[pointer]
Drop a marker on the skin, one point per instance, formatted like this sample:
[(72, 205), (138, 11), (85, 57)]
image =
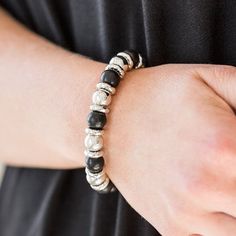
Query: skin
[(45, 93), (177, 166), (175, 125)]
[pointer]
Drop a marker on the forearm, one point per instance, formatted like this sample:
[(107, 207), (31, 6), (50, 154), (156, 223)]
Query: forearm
[(44, 93)]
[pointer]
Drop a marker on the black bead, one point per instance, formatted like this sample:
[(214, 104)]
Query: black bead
[(134, 55), (95, 165), (110, 77), (96, 120)]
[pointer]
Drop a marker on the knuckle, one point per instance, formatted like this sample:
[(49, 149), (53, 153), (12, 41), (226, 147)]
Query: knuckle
[(197, 183), (218, 152), (219, 148)]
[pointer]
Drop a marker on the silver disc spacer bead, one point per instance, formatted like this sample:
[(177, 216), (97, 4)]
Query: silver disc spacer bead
[(99, 108), (94, 131), (106, 87), (93, 154), (93, 142), (96, 179), (102, 186), (116, 68), (100, 97), (140, 62), (118, 61), (127, 58)]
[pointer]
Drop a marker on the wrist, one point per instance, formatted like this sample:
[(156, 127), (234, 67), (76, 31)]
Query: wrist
[(111, 77), (84, 75)]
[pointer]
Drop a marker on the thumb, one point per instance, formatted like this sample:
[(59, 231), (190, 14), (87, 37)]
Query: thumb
[(222, 79)]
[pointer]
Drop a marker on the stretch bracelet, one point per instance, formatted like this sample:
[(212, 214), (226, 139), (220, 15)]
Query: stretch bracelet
[(101, 99)]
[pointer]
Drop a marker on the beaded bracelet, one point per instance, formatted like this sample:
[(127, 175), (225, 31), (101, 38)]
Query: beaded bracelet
[(109, 80)]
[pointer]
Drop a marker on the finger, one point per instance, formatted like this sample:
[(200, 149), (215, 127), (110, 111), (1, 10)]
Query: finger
[(222, 78), (217, 224)]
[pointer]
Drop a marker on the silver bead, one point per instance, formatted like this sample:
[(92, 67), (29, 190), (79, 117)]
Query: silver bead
[(99, 108), (93, 154), (101, 98), (94, 131), (102, 186), (106, 87), (118, 61), (116, 68), (95, 179), (127, 58), (140, 62), (93, 142)]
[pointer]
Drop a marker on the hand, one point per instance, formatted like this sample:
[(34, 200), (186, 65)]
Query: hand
[(171, 147)]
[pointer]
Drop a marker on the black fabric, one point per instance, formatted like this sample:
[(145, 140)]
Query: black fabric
[(36, 202)]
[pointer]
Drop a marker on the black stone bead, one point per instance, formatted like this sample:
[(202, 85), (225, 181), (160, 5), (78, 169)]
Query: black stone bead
[(96, 120), (95, 165), (134, 55), (110, 77)]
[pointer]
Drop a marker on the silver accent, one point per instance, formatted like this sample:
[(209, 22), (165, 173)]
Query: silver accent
[(94, 131), (116, 68), (118, 61), (96, 178), (95, 181), (140, 62), (97, 175), (99, 108), (107, 87), (102, 186), (100, 97), (93, 143), (93, 154), (127, 58)]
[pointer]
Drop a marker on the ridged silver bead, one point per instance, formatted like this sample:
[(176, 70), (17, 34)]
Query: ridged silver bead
[(118, 61), (116, 68), (99, 108), (94, 131), (93, 154), (102, 186), (95, 179), (101, 98), (128, 59), (106, 87), (93, 142)]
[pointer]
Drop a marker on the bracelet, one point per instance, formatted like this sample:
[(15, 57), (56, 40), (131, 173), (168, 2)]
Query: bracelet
[(101, 99)]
